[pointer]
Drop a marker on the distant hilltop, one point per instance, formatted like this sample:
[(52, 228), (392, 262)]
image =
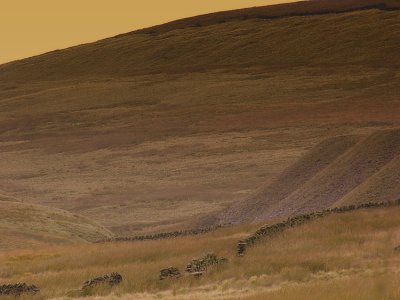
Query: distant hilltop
[(252, 37), (301, 8)]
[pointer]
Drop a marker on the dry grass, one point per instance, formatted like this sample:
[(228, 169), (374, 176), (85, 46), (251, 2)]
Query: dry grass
[(24, 225), (356, 287), (145, 132), (350, 247)]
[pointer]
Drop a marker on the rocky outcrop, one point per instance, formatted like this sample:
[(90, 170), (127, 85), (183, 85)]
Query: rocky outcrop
[(109, 279), (203, 263), (170, 272), (162, 235), (18, 289), (241, 248), (195, 268)]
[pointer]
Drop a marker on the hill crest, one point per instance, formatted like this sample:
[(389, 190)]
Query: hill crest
[(234, 39), (276, 11)]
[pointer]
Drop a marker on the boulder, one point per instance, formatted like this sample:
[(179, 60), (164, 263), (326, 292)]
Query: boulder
[(170, 272), (241, 248), (201, 264), (18, 289), (109, 279)]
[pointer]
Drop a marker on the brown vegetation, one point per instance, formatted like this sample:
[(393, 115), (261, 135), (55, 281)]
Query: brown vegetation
[(24, 225), (126, 133), (296, 175), (271, 230), (301, 8), (353, 247), (327, 176), (368, 38), (148, 133)]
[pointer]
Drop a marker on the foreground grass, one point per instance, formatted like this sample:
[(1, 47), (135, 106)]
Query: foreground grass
[(342, 256), (378, 286)]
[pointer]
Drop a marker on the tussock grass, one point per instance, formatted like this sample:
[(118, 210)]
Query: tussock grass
[(339, 248), (378, 286)]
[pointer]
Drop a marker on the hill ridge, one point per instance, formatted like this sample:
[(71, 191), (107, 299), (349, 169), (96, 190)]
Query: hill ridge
[(382, 184), (168, 52), (373, 157), (314, 161), (347, 172), (275, 11)]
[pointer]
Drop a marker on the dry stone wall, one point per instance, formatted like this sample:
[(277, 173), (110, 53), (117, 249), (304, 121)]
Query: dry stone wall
[(273, 229), (18, 289), (162, 235), (109, 279)]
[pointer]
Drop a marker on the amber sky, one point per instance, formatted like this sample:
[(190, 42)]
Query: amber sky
[(30, 27)]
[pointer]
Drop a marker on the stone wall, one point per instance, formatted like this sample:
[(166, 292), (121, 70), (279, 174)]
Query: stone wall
[(273, 229)]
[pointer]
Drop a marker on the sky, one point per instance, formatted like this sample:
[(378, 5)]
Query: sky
[(31, 27)]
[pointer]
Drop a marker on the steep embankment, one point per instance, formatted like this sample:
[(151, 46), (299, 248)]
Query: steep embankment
[(361, 172), (291, 179), (265, 37), (384, 184), (25, 225), (346, 173)]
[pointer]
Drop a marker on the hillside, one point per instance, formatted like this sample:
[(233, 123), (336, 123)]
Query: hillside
[(24, 225), (295, 176), (300, 8), (341, 171), (342, 256), (248, 40), (382, 185), (150, 132)]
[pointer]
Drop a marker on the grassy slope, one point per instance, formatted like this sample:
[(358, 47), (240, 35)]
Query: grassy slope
[(300, 8), (296, 175), (150, 152), (340, 171), (382, 185), (350, 170), (367, 38), (355, 247), (380, 286), (25, 226)]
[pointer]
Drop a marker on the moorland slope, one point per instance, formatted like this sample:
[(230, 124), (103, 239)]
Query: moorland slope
[(309, 33), (342, 171), (24, 225), (150, 131)]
